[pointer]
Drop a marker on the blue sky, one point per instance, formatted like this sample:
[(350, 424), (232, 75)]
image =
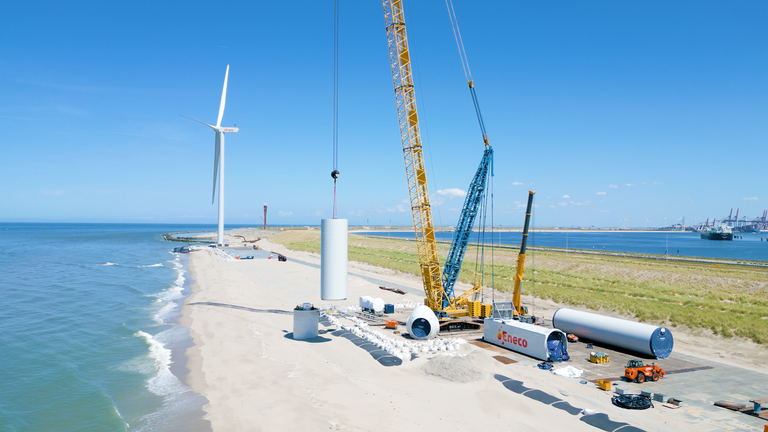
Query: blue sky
[(609, 110)]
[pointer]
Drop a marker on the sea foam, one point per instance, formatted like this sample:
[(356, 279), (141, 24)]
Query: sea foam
[(163, 382)]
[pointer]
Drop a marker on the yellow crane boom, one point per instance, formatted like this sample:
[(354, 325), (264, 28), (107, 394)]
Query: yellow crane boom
[(402, 78), (516, 299)]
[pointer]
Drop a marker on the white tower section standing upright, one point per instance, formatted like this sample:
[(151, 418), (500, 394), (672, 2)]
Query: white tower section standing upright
[(333, 259), (218, 158)]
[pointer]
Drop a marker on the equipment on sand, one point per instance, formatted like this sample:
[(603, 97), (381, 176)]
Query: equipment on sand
[(632, 401), (438, 288), (639, 372)]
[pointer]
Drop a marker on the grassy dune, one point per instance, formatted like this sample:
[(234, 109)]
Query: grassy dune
[(729, 300)]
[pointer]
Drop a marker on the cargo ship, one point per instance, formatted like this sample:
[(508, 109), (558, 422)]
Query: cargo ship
[(723, 232)]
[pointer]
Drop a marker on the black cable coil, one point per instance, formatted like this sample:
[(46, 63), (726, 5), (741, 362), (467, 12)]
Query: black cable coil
[(632, 401)]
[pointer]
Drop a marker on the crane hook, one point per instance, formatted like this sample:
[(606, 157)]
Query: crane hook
[(335, 174)]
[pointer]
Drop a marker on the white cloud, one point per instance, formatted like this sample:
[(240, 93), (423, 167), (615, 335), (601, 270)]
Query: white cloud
[(750, 198), (612, 186), (404, 206), (562, 204), (630, 184), (580, 203), (553, 206), (284, 213), (601, 193), (566, 196), (657, 183), (517, 183), (357, 213), (451, 193), (605, 211), (444, 195)]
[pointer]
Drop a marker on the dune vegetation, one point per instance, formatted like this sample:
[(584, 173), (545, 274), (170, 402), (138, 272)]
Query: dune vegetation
[(729, 300)]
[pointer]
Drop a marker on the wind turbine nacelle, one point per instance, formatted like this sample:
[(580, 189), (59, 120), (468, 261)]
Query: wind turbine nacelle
[(229, 129)]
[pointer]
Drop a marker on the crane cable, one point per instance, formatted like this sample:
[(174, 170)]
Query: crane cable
[(335, 173), (470, 83), (465, 66)]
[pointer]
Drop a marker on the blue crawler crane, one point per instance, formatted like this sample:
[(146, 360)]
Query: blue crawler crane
[(472, 203)]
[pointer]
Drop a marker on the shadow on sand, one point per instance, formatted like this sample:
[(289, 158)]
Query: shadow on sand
[(600, 421), (225, 305)]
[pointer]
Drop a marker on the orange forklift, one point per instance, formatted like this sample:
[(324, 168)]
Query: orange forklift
[(640, 373)]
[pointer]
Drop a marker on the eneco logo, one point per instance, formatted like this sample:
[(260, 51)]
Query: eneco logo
[(514, 340)]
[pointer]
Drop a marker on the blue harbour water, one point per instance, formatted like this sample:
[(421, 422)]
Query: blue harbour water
[(751, 247), (88, 333)]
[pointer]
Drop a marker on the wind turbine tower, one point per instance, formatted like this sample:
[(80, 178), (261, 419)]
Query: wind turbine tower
[(218, 158)]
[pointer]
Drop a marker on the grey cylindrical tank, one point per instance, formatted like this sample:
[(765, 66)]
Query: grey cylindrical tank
[(639, 337)]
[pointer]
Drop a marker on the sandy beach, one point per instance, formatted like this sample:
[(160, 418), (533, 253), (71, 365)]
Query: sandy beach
[(256, 377)]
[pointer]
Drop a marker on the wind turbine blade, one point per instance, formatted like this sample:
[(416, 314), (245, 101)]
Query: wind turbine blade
[(223, 98), (216, 166), (210, 126)]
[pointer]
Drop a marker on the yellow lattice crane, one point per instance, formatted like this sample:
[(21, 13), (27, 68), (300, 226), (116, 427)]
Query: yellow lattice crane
[(402, 78)]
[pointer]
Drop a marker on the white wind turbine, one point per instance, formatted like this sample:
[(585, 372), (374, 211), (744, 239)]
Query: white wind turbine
[(218, 160), (624, 223), (645, 219)]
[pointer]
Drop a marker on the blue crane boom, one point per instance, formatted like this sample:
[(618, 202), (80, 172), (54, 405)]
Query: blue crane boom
[(463, 230)]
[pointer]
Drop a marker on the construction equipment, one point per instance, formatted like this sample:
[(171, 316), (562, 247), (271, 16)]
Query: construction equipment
[(639, 372), (598, 357), (519, 309), (438, 290), (452, 305), (405, 97), (604, 385)]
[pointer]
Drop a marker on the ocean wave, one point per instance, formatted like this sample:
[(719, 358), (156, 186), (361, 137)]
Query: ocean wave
[(152, 265), (171, 294), (127, 426), (174, 292), (164, 311), (163, 382), (108, 264)]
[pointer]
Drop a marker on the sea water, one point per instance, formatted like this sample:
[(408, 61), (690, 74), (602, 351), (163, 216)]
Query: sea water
[(88, 333), (753, 247)]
